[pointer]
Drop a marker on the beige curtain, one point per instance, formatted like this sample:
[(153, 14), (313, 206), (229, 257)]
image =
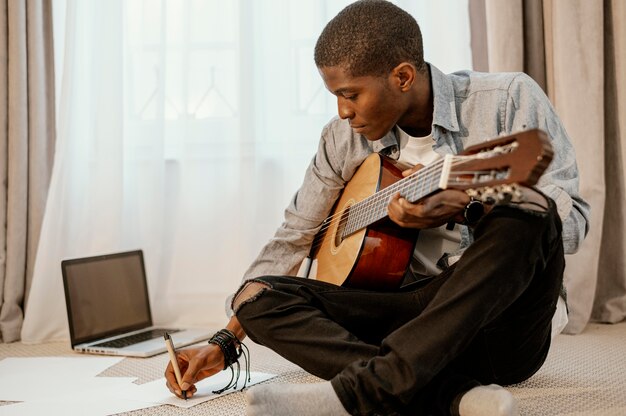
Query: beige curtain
[(576, 50), (26, 148)]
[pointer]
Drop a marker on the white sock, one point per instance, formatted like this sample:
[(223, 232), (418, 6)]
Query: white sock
[(491, 400), (314, 399)]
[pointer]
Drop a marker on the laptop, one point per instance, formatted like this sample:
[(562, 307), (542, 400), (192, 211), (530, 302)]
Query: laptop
[(108, 308)]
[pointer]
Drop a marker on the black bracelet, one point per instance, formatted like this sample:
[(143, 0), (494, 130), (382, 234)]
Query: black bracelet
[(232, 348), (228, 343)]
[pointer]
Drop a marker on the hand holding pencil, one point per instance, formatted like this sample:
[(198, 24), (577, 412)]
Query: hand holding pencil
[(174, 363), (194, 364)]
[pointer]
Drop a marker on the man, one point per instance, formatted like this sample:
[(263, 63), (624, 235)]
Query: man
[(446, 340)]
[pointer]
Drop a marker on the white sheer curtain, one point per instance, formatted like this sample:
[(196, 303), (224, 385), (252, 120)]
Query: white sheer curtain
[(185, 127)]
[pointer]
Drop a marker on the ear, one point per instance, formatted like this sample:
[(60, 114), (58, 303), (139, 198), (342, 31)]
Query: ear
[(404, 75)]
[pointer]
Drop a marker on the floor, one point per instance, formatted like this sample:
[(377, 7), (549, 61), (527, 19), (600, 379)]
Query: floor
[(584, 375)]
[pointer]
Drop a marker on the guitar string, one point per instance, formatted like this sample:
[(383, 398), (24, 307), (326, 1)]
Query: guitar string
[(371, 208), (387, 192), (427, 173), (456, 159), (413, 191), (424, 172), (319, 240), (376, 209), (422, 176)]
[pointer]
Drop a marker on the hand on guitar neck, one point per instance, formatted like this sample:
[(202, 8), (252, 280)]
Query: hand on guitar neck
[(448, 205), (433, 211)]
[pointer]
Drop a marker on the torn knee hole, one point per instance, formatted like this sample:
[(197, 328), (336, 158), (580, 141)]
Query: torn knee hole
[(248, 293)]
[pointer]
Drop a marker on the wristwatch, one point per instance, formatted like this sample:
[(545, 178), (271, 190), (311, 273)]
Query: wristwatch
[(474, 210)]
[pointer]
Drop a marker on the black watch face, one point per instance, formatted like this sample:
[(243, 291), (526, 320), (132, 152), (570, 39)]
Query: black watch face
[(474, 211)]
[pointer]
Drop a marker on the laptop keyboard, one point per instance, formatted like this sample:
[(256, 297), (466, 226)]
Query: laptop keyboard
[(135, 338)]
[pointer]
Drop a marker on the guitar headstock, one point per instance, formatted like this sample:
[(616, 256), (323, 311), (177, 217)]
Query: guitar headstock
[(520, 158)]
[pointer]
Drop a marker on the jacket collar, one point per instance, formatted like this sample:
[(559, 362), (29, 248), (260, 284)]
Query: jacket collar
[(444, 113)]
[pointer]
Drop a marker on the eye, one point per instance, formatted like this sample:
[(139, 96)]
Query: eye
[(350, 97)]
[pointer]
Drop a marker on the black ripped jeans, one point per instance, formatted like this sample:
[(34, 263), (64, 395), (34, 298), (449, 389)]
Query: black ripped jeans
[(485, 320)]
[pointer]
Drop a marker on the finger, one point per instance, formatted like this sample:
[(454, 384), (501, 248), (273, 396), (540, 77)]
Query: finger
[(405, 204), (394, 209), (393, 200), (174, 388), (403, 218), (183, 362), (400, 201), (192, 390), (191, 375), (409, 211), (414, 169), (170, 378), (399, 205)]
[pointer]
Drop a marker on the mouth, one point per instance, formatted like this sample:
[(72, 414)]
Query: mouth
[(358, 129)]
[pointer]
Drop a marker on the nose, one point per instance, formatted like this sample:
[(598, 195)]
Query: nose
[(344, 108)]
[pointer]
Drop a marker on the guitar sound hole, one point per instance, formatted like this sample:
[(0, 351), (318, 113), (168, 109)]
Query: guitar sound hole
[(341, 227)]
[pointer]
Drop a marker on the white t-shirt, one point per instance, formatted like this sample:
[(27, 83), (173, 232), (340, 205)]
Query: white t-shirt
[(432, 243)]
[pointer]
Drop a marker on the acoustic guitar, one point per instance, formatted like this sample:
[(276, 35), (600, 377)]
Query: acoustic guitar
[(360, 247)]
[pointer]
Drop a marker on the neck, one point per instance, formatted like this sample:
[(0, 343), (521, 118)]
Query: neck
[(418, 121)]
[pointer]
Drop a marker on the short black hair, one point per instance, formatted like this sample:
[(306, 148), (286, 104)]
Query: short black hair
[(370, 37)]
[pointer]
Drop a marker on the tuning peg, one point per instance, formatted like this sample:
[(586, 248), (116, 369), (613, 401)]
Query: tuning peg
[(489, 195), (473, 193)]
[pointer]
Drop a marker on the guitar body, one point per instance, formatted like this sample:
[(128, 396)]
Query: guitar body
[(374, 257)]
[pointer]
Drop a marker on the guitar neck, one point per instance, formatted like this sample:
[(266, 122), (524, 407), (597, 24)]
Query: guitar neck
[(412, 188)]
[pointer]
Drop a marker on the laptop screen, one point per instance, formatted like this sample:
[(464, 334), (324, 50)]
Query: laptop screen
[(106, 295)]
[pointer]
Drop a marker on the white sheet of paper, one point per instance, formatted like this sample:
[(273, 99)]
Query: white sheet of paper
[(101, 406), (23, 389), (94, 396), (55, 367), (157, 392), (68, 386)]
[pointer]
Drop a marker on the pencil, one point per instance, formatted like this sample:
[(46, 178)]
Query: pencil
[(174, 361)]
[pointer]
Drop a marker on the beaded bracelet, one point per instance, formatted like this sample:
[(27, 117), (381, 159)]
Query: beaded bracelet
[(232, 348)]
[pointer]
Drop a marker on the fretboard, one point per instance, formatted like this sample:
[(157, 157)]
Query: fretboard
[(413, 188)]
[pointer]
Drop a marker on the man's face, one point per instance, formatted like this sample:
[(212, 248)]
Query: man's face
[(371, 104)]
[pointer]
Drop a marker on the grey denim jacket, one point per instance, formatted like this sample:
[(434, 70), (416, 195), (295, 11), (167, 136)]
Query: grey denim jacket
[(469, 108)]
